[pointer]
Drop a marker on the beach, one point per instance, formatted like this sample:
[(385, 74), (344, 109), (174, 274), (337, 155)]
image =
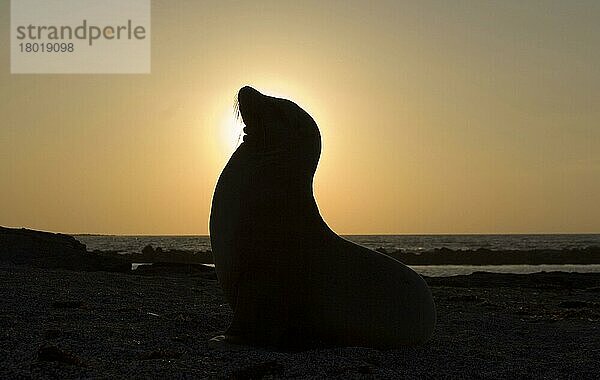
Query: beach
[(157, 322)]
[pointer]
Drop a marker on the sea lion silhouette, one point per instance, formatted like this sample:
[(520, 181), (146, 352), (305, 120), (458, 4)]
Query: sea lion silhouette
[(291, 281)]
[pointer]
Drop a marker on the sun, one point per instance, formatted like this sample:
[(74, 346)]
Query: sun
[(231, 130)]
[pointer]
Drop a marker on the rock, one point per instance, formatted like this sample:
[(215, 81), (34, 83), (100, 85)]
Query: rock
[(23, 246), (155, 255), (542, 280), (465, 298), (50, 250), (484, 256), (148, 250)]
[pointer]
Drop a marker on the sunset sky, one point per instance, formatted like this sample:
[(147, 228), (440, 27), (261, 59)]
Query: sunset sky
[(436, 117)]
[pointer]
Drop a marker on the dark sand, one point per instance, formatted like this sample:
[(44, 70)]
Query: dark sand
[(66, 324)]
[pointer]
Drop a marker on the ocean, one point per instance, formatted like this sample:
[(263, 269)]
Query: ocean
[(412, 243)]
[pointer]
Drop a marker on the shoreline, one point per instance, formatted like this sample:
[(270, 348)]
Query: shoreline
[(50, 250), (438, 256)]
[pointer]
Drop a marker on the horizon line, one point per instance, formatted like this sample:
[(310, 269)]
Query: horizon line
[(342, 233)]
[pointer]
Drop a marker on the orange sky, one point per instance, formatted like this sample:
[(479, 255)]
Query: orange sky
[(436, 117)]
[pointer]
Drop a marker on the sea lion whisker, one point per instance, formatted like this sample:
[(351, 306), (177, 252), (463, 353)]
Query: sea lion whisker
[(237, 116)]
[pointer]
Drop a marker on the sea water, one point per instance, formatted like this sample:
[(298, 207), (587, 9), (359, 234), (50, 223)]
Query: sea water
[(412, 243)]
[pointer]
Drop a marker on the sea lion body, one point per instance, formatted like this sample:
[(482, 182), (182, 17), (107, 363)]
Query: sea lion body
[(290, 280)]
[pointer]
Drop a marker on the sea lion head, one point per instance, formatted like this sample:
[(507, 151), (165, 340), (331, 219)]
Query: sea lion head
[(275, 125)]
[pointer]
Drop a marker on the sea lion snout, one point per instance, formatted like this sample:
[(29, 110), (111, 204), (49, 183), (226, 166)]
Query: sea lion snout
[(250, 103), (248, 92)]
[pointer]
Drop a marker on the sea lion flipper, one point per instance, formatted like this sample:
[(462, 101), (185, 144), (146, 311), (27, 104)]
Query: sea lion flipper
[(257, 318)]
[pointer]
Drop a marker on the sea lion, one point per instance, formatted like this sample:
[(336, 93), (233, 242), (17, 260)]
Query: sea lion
[(291, 281)]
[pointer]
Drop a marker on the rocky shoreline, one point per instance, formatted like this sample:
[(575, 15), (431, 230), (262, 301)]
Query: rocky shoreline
[(482, 256), (52, 250)]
